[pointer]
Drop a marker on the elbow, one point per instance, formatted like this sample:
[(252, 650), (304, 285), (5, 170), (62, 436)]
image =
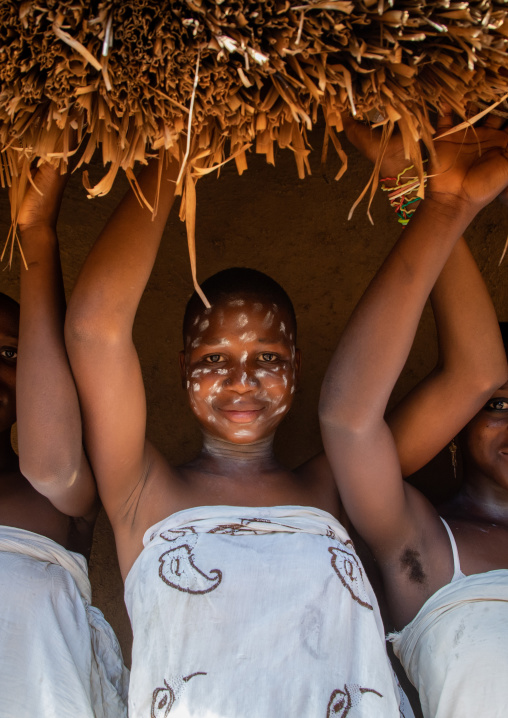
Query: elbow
[(486, 381), (89, 324), (50, 477), (338, 417)]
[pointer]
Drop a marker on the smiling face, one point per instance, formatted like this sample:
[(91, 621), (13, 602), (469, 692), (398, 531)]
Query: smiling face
[(486, 441), (9, 323), (240, 367)]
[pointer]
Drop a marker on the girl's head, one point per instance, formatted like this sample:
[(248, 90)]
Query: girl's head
[(240, 364), (484, 440), (9, 326)]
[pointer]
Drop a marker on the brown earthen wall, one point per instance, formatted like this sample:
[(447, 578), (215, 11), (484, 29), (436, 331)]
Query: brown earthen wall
[(298, 232)]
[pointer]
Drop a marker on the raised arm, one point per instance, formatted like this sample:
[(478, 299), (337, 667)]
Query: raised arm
[(99, 340), (377, 340), (470, 353), (51, 454)]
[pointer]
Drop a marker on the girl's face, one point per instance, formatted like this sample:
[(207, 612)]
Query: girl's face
[(486, 440), (240, 368), (8, 356)]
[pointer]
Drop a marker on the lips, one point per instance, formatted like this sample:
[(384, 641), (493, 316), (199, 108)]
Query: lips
[(241, 413)]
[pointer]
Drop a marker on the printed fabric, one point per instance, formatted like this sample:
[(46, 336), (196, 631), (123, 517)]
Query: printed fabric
[(59, 656), (455, 651), (256, 613)]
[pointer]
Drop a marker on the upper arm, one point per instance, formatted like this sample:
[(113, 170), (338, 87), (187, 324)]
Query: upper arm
[(112, 397), (386, 511)]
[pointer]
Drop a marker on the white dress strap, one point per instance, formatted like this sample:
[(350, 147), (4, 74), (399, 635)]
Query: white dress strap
[(457, 573)]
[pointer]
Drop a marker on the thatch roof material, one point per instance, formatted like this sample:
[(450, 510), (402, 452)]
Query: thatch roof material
[(121, 75)]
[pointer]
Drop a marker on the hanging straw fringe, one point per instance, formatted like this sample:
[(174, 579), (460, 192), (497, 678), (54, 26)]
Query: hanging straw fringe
[(144, 77)]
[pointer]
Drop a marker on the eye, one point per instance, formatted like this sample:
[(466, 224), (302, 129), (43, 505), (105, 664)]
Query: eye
[(214, 358), (10, 354), (497, 404), (269, 357)]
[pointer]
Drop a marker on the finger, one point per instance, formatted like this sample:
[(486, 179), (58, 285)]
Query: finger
[(362, 137), (493, 121), (445, 118)]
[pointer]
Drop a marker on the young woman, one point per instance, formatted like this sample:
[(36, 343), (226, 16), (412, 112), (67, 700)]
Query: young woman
[(59, 656), (451, 646), (243, 588)]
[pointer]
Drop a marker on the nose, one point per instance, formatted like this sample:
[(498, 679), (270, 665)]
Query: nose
[(241, 380)]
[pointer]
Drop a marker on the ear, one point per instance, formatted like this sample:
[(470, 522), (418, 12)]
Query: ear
[(181, 362), (298, 367)]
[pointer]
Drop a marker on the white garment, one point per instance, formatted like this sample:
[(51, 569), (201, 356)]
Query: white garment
[(455, 651), (255, 613), (59, 656)]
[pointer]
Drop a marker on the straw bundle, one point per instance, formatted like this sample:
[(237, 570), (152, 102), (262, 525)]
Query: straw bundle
[(206, 80)]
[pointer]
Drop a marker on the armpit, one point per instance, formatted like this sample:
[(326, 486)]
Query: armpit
[(411, 564)]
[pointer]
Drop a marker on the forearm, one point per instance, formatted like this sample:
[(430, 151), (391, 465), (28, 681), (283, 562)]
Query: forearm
[(378, 337), (117, 269), (471, 355), (49, 422), (468, 332)]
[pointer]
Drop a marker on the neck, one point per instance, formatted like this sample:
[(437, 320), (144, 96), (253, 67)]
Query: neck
[(485, 499), (258, 453)]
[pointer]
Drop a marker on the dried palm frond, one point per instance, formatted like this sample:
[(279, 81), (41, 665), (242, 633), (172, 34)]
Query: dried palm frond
[(205, 80)]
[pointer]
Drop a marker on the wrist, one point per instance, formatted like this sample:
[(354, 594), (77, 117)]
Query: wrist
[(40, 229), (447, 210)]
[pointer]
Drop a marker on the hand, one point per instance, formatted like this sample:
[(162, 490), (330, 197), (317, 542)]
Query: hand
[(470, 167), (370, 142), (40, 207)]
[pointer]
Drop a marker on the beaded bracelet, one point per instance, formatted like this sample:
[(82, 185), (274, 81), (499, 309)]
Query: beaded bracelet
[(399, 193)]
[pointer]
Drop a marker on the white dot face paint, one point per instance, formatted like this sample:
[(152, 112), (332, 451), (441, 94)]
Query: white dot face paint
[(268, 320), (248, 337), (196, 320), (242, 395)]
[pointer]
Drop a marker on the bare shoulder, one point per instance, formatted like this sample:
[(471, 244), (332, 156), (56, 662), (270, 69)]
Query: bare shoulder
[(159, 491), (316, 474), (481, 536)]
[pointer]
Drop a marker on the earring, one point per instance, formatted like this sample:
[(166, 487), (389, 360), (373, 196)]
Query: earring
[(452, 448)]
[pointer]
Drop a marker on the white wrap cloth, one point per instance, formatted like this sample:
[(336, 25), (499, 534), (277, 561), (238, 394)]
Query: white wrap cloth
[(455, 651), (59, 656), (255, 613)]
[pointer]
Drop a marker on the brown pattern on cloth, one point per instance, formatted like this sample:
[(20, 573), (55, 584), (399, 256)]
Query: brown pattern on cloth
[(177, 568), (246, 526), (341, 701), (348, 568), (164, 698)]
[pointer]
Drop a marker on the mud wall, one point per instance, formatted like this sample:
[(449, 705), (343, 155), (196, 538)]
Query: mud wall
[(298, 232)]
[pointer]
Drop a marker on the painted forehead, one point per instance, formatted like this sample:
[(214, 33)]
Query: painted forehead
[(233, 315)]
